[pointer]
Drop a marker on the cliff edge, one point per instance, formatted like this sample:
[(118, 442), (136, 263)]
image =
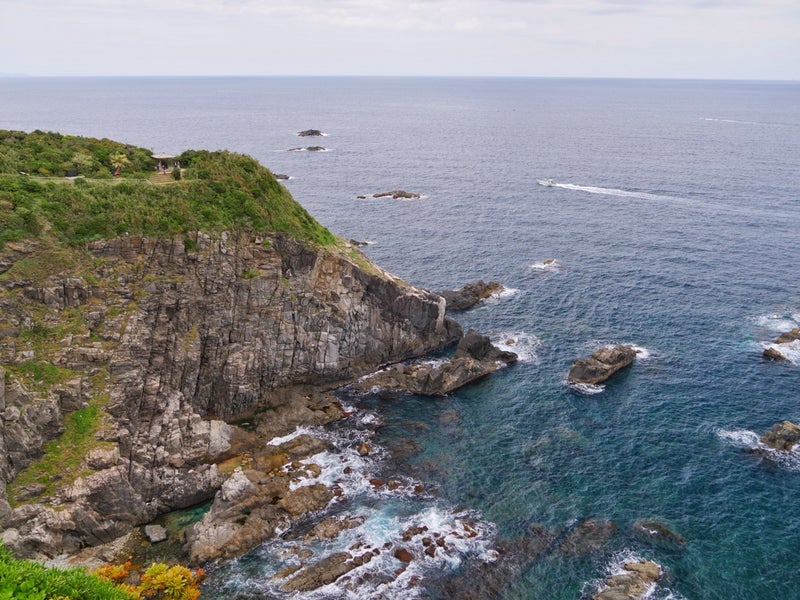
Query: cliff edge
[(128, 360)]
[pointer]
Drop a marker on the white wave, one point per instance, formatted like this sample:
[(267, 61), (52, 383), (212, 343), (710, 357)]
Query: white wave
[(612, 191), (277, 441), (588, 389), (715, 120), (790, 350), (503, 294), (370, 419), (524, 345), (749, 440), (779, 322), (551, 264), (741, 438)]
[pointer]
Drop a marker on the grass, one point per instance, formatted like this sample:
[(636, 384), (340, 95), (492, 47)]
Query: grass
[(63, 459), (221, 191), (29, 580)]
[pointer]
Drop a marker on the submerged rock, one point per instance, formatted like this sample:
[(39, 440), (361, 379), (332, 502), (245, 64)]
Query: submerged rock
[(782, 436), (601, 365), (589, 536), (469, 295), (308, 149), (398, 194), (155, 533), (658, 533)]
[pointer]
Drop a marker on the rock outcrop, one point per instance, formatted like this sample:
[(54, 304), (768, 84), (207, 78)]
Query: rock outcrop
[(782, 436), (174, 340), (398, 195), (601, 365), (310, 133), (474, 358), (469, 295), (773, 353), (634, 583)]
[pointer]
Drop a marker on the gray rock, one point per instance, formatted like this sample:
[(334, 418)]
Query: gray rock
[(601, 365), (310, 133), (155, 533), (788, 337), (469, 295), (398, 194)]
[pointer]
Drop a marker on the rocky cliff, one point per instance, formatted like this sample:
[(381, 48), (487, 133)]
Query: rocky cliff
[(158, 347)]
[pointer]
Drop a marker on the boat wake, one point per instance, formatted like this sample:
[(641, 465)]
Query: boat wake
[(589, 189)]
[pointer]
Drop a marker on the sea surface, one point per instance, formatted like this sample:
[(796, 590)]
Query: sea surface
[(672, 210)]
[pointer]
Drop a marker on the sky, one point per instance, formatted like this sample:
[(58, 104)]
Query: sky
[(705, 39)]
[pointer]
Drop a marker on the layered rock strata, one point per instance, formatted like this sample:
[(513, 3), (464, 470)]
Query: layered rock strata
[(175, 341)]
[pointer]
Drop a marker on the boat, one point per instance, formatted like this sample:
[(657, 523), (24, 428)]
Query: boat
[(546, 182)]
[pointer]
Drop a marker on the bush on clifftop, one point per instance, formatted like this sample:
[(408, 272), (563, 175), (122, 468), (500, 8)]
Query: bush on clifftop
[(220, 191)]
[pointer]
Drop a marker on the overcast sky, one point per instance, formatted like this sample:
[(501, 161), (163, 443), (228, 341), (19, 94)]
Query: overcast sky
[(729, 39)]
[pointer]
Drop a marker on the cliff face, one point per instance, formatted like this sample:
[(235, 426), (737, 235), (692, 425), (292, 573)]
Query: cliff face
[(172, 341)]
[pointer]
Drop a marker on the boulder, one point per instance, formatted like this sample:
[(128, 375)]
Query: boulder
[(782, 436), (601, 365), (155, 533), (398, 194), (469, 295), (310, 133)]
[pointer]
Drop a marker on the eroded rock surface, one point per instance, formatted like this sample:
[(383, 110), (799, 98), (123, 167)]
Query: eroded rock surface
[(601, 365), (182, 338), (634, 583), (469, 295), (475, 357)]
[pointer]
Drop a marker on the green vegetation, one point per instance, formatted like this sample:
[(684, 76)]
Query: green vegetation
[(28, 580), (63, 457), (219, 191)]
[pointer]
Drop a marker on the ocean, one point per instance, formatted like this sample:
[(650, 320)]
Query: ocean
[(671, 210)]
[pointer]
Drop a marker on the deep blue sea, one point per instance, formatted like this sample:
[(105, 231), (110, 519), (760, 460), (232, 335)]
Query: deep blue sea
[(674, 221)]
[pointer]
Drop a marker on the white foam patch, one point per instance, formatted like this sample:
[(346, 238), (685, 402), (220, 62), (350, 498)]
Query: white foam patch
[(504, 294), (587, 389), (790, 350), (749, 440), (277, 441), (524, 345), (549, 265), (779, 322), (590, 189)]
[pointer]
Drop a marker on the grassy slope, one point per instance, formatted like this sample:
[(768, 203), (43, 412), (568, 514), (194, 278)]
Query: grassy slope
[(220, 191)]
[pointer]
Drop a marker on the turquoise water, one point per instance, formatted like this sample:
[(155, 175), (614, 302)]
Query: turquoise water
[(674, 223)]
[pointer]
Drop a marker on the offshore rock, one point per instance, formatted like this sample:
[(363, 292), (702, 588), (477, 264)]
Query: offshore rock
[(192, 337), (310, 133), (773, 353), (634, 583), (782, 436), (601, 365), (474, 358), (469, 295), (397, 195)]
